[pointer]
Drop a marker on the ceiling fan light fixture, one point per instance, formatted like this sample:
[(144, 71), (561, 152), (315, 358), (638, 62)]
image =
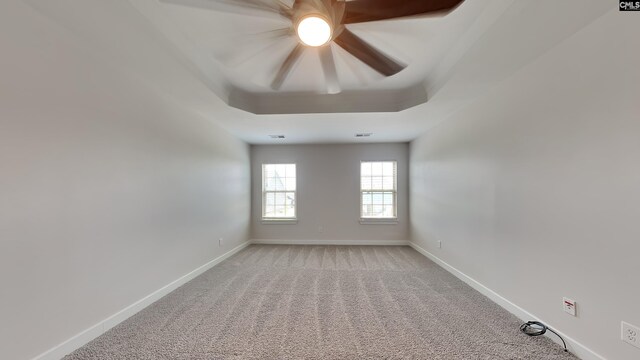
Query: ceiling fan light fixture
[(314, 31)]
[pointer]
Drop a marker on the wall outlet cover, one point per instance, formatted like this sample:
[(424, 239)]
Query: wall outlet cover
[(569, 306), (631, 334)]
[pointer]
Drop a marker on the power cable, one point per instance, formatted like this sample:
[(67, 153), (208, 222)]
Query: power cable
[(536, 328)]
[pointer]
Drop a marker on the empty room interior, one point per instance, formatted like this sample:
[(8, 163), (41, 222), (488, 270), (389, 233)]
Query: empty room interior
[(320, 179)]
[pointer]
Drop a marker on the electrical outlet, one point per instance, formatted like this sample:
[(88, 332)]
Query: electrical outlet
[(631, 334), (320, 229), (569, 306), (439, 244), (220, 242)]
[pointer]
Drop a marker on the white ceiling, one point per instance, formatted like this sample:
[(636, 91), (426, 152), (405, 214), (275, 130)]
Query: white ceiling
[(455, 59)]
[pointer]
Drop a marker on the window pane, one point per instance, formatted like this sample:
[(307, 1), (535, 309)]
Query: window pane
[(388, 198), (280, 198), (290, 184), (387, 183), (280, 211), (290, 170), (269, 183), (377, 198), (281, 170), (365, 183), (269, 211), (279, 183), (270, 199), (366, 198), (367, 211), (365, 169), (290, 211), (388, 211), (387, 168), (377, 210), (290, 199), (376, 169), (269, 171), (376, 182)]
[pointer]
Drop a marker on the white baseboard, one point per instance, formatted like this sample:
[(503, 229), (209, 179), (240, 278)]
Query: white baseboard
[(77, 341), (329, 242), (574, 346)]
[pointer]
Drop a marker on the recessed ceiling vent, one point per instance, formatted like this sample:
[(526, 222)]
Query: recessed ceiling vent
[(363, 135), (276, 136)]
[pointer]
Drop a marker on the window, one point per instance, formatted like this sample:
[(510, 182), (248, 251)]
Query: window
[(278, 191), (378, 188)]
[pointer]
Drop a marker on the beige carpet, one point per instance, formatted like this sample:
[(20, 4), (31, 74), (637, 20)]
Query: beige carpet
[(322, 302)]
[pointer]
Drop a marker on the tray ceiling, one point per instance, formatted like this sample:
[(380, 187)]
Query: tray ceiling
[(245, 51)]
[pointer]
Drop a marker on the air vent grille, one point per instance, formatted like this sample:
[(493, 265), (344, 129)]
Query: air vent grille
[(362, 135), (276, 136)]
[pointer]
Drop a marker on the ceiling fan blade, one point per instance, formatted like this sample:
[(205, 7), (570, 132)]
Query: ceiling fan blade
[(257, 8), (245, 47), (287, 66), (367, 53), (358, 11), (271, 34), (329, 69)]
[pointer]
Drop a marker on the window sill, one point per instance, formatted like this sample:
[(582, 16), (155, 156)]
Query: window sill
[(378, 221), (279, 221)]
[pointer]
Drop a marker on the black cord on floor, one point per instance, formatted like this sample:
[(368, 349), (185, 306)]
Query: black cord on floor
[(536, 328)]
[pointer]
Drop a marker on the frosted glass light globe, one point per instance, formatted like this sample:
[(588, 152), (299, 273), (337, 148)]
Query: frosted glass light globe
[(314, 31)]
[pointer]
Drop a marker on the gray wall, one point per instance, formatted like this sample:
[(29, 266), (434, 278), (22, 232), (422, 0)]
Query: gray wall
[(107, 191), (329, 191), (534, 190)]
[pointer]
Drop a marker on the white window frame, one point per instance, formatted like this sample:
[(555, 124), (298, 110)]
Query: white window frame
[(279, 220), (380, 220)]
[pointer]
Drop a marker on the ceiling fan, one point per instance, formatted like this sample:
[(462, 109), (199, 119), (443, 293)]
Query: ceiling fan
[(317, 23)]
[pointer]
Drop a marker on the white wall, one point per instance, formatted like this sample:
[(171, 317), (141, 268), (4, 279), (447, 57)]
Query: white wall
[(328, 181), (108, 192), (534, 190)]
